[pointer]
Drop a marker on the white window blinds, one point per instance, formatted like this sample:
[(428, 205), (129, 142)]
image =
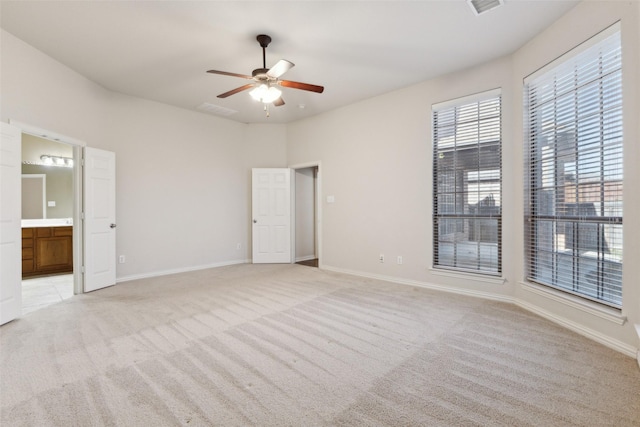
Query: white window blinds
[(573, 172), (467, 184)]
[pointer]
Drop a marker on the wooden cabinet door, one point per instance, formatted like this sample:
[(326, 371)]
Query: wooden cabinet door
[(54, 253), (47, 250)]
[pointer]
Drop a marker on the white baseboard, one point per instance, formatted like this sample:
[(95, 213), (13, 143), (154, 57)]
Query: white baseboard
[(637, 325), (305, 258), (179, 270), (599, 337), (607, 313), (580, 329), (468, 292)]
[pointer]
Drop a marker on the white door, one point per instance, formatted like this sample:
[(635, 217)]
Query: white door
[(271, 207), (10, 229), (100, 218)]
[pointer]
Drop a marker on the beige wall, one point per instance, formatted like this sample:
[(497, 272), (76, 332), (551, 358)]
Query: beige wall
[(33, 191), (33, 147), (183, 184), (376, 160)]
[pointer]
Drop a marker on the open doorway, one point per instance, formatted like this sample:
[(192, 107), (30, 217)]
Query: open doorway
[(93, 236), (47, 222), (306, 216)]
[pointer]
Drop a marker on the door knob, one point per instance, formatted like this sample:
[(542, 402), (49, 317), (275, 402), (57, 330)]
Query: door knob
[(255, 221), (112, 226)]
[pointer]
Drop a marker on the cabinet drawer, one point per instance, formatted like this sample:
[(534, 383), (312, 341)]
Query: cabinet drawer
[(43, 232), (27, 253), (27, 266), (27, 243), (62, 231), (27, 232)]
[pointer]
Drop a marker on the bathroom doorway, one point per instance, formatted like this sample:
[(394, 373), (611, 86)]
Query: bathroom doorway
[(48, 183), (307, 216)]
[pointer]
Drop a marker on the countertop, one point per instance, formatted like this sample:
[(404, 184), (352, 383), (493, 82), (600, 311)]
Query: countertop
[(51, 222)]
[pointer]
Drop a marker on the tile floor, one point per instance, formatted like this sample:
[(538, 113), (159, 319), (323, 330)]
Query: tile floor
[(40, 292)]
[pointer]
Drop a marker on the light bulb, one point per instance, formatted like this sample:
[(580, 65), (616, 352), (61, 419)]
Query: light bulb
[(265, 94), (47, 160), (259, 92), (271, 95)]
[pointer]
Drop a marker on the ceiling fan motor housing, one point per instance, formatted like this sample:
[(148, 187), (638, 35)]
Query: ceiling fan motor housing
[(264, 40), (260, 74)]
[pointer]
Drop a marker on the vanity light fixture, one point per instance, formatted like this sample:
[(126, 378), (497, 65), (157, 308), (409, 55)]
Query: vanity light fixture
[(49, 160)]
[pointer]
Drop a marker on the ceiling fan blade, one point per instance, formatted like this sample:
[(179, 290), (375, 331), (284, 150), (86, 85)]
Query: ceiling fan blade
[(236, 90), (280, 68), (303, 86), (226, 73), (278, 102)]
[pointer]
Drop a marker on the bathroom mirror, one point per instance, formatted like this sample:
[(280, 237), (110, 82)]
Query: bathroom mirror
[(39, 157), (34, 196)]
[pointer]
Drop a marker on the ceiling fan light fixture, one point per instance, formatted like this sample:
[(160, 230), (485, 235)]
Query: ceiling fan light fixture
[(264, 80), (265, 93)]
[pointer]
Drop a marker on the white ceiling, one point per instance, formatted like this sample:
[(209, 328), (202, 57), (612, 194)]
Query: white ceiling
[(160, 50)]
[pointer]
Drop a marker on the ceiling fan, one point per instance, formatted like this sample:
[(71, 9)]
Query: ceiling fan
[(266, 79)]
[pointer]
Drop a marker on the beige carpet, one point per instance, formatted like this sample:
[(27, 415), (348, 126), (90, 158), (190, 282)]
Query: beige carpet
[(287, 345)]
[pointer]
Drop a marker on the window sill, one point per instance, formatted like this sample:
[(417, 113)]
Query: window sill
[(611, 314), (477, 277)]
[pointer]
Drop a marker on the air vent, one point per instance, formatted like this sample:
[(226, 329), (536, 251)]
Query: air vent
[(207, 107), (481, 6)]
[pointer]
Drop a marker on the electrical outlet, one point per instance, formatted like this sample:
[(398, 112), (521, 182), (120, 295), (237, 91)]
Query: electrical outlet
[(121, 259), (238, 246), (399, 259), (381, 258)]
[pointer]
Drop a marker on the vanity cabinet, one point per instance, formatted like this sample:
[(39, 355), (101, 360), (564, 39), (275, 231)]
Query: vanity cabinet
[(28, 262), (47, 250)]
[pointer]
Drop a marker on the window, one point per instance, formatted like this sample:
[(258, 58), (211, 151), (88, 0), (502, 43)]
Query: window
[(467, 190), (573, 171)]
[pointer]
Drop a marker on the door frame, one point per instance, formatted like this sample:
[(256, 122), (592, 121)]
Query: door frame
[(318, 209), (78, 236)]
